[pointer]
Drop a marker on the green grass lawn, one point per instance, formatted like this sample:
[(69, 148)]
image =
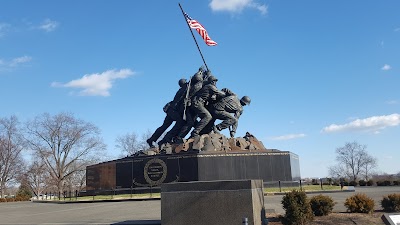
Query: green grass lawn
[(107, 197), (308, 188), (304, 188)]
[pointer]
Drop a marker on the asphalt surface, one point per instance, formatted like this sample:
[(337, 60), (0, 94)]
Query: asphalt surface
[(138, 212)]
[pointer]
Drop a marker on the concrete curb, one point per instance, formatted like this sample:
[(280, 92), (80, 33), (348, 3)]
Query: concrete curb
[(94, 201)]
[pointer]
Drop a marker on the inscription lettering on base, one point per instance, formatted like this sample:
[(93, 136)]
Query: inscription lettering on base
[(155, 172)]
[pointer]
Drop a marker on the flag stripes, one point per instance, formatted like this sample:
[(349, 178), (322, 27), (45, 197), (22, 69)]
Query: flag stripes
[(194, 24)]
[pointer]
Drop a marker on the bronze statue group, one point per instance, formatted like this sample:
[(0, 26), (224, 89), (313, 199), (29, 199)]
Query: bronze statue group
[(198, 104)]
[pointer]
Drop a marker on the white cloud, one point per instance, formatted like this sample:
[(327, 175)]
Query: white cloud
[(3, 29), (96, 84), (397, 29), (374, 124), (20, 60), (386, 67), (262, 8), (288, 137), (237, 6), (13, 63), (48, 25), (392, 102)]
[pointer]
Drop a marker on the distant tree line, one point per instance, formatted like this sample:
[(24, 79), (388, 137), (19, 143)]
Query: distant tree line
[(51, 152)]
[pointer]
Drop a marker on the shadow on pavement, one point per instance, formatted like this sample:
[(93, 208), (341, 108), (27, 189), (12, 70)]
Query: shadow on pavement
[(138, 222)]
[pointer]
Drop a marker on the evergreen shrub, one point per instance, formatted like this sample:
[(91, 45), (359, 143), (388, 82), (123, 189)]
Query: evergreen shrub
[(353, 183), (362, 183), (297, 208), (359, 203), (391, 203), (321, 205)]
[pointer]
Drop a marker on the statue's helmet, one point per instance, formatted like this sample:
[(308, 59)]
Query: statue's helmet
[(211, 78), (197, 77), (245, 100), (182, 82)]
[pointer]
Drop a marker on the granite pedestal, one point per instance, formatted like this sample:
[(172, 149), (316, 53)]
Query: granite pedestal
[(212, 202), (152, 171)]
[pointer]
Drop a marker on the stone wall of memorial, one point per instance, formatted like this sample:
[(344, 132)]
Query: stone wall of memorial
[(101, 176), (152, 171)]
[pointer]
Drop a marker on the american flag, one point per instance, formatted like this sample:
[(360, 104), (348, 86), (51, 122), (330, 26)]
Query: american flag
[(200, 29)]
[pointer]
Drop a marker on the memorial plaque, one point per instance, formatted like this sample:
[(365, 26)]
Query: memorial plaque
[(155, 172), (391, 218)]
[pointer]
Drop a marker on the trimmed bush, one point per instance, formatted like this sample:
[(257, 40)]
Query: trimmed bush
[(321, 205), (396, 183), (297, 208), (10, 199), (391, 203), (22, 198), (353, 183), (362, 183), (370, 182), (384, 183), (3, 200), (359, 203)]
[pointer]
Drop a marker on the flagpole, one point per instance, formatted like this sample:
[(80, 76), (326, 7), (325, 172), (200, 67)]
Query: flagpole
[(194, 38)]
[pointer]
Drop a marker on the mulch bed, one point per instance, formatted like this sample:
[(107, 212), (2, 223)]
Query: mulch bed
[(336, 219)]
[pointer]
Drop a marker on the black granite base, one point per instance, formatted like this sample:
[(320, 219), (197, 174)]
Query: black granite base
[(152, 171)]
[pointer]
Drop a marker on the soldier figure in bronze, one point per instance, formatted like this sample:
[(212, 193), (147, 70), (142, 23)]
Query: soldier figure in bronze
[(172, 109), (206, 95), (196, 85), (228, 109)]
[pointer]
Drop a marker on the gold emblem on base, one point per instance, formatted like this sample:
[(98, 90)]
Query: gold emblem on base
[(155, 172)]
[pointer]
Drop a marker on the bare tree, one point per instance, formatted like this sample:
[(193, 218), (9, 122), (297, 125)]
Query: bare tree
[(37, 177), (11, 146), (370, 164), (77, 180), (338, 171), (62, 142), (352, 160), (130, 143), (143, 141)]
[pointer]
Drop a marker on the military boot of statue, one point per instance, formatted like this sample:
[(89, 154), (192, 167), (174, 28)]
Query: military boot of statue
[(194, 135), (216, 129), (177, 140), (150, 143), (160, 143)]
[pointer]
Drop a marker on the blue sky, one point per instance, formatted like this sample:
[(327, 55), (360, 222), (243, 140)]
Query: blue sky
[(319, 73)]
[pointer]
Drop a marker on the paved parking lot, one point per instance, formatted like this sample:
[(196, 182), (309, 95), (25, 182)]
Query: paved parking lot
[(136, 212), (125, 212)]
